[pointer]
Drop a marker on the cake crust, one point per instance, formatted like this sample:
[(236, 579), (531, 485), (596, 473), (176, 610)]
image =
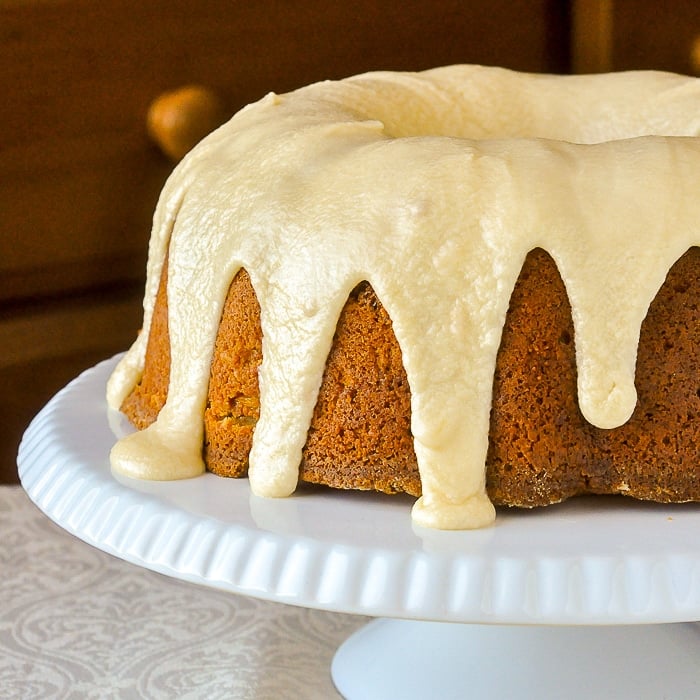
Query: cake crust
[(541, 448)]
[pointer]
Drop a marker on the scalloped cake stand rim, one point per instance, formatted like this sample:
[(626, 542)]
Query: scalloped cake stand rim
[(590, 561)]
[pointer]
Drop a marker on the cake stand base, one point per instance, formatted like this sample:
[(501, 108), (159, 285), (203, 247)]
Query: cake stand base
[(588, 562), (404, 659)]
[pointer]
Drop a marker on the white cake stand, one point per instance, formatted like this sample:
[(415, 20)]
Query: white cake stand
[(562, 602)]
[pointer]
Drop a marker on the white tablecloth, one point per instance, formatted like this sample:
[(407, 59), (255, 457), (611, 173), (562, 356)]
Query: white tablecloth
[(78, 623)]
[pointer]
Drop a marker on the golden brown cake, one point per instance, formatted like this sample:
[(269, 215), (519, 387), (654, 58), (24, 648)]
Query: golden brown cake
[(366, 294)]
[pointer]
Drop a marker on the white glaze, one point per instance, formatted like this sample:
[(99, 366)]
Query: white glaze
[(383, 177)]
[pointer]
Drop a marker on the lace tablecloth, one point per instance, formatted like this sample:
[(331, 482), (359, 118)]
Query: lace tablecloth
[(77, 623)]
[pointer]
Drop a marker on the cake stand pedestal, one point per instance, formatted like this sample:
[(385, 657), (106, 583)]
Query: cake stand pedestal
[(407, 660), (587, 599)]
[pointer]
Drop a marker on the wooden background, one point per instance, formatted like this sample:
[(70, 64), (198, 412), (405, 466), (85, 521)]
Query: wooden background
[(79, 175)]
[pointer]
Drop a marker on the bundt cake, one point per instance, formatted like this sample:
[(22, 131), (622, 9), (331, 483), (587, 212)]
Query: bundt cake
[(472, 285)]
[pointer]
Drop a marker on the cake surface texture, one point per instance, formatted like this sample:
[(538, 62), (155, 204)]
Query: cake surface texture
[(468, 284)]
